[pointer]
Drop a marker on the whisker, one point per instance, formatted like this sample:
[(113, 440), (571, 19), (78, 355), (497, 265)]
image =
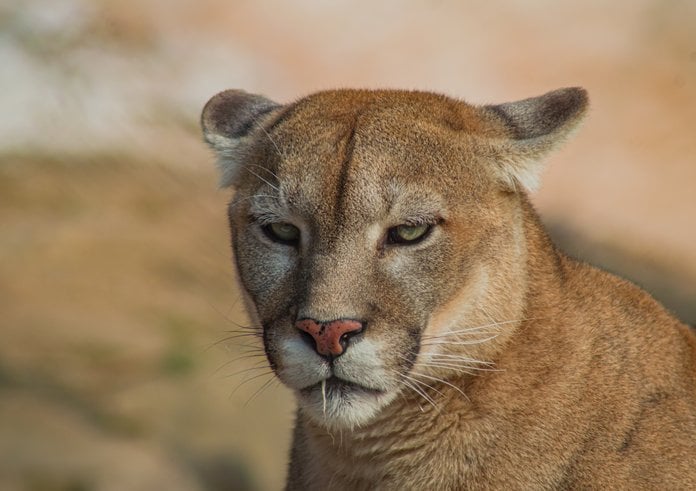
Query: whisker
[(266, 385), (419, 383), (469, 329), (420, 392), (449, 362), (270, 372), (230, 338), (461, 334), (250, 347), (441, 381), (273, 174), (239, 335), (225, 316), (423, 383), (240, 358), (459, 358), (238, 201), (448, 357), (276, 188), (484, 326), (246, 370), (450, 343), (240, 327), (247, 356), (280, 154), (459, 368)]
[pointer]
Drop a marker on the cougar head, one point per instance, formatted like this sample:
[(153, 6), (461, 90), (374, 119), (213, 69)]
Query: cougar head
[(378, 235)]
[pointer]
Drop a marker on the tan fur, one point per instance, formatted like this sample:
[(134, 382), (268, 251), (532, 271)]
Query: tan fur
[(490, 359)]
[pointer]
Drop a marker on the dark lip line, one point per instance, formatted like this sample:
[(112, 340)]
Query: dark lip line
[(335, 379)]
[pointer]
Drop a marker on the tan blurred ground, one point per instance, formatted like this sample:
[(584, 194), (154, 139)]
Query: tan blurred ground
[(116, 290)]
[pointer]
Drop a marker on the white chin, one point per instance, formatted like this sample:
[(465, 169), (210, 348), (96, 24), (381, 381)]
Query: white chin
[(341, 405)]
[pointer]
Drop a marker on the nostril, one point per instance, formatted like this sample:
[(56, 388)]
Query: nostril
[(308, 338), (343, 341), (345, 337)]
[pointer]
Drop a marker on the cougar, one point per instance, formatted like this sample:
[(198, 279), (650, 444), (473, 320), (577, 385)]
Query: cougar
[(433, 335)]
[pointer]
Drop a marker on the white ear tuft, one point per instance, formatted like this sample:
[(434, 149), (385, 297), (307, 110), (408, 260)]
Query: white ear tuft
[(521, 175)]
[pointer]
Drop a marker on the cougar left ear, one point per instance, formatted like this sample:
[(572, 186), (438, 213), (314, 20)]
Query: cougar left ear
[(534, 127), (229, 121)]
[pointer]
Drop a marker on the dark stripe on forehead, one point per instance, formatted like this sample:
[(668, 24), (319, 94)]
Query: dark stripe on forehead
[(345, 169)]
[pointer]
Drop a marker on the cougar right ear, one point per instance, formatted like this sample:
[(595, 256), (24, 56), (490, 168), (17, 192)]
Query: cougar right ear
[(534, 127), (229, 120)]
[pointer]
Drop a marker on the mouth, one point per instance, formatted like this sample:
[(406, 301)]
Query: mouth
[(338, 387), (339, 403)]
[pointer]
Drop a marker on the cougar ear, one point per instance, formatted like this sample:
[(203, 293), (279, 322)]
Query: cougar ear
[(229, 120), (534, 128)]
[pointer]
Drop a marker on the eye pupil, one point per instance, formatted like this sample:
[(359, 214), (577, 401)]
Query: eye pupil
[(407, 234), (284, 233)]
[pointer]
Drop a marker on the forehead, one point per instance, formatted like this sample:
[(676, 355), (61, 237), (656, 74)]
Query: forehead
[(361, 154)]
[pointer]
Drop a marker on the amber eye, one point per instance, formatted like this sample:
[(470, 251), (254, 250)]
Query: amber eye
[(407, 234), (283, 233)]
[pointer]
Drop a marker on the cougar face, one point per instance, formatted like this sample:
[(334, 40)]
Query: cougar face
[(406, 291), (367, 227)]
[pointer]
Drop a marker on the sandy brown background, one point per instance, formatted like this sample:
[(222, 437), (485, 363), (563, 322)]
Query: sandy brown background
[(116, 290)]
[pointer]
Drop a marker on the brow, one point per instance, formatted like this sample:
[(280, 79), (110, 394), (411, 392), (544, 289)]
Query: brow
[(420, 217), (267, 207), (416, 208)]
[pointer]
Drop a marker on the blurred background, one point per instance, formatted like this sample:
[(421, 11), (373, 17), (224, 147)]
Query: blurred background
[(119, 369)]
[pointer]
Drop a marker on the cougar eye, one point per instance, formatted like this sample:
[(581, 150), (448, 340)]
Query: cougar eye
[(407, 234), (283, 233)]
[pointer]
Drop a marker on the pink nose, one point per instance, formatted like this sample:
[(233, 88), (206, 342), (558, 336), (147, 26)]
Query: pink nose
[(330, 338)]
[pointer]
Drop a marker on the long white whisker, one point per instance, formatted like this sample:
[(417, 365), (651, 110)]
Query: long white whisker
[(450, 343), (261, 178), (459, 368), (440, 360), (419, 391), (441, 381), (266, 169), (422, 383), (445, 357), (484, 326), (461, 334), (460, 358), (240, 200), (280, 154), (405, 378), (254, 196), (478, 328)]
